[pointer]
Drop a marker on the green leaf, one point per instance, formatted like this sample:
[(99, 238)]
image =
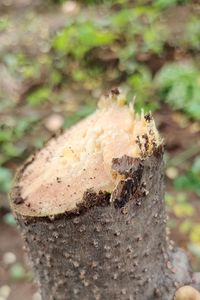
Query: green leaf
[(141, 85), (6, 134), (190, 180), (9, 219), (4, 23), (24, 124), (78, 38), (162, 4), (154, 37), (11, 150), (123, 18), (39, 96), (17, 272), (192, 33), (5, 180), (179, 86)]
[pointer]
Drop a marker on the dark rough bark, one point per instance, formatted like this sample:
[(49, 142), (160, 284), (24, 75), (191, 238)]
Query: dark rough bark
[(114, 246)]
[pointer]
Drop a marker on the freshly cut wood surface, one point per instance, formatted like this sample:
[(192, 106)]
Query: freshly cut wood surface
[(55, 179)]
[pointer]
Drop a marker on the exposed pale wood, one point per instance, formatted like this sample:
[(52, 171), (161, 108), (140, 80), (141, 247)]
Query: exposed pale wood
[(81, 158)]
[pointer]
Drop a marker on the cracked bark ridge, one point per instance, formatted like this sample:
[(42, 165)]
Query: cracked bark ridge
[(113, 246)]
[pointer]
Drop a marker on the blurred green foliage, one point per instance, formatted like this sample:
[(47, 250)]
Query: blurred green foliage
[(141, 86), (185, 214), (80, 37), (9, 219), (39, 96), (179, 85), (18, 273), (10, 136), (4, 23), (192, 33), (5, 179), (179, 205), (162, 4), (127, 32), (191, 180)]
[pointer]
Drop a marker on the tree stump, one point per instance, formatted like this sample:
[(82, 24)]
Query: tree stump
[(91, 211)]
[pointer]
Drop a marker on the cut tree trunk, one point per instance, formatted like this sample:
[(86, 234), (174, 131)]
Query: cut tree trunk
[(112, 244)]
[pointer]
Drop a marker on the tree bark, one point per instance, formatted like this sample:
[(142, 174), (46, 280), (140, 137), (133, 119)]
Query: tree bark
[(114, 246)]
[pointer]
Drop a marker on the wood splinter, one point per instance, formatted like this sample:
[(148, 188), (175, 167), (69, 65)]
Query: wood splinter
[(91, 211)]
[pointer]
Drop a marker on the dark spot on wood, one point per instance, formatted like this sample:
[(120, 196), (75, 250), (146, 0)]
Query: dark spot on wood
[(115, 91), (91, 199), (58, 179), (158, 151), (148, 117), (123, 192), (128, 166), (138, 142), (19, 200), (16, 195), (132, 168), (146, 144)]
